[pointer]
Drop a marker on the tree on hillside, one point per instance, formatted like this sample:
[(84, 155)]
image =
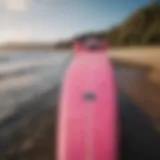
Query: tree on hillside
[(155, 2)]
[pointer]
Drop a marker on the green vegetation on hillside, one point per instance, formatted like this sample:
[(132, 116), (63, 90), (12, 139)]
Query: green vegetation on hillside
[(142, 28)]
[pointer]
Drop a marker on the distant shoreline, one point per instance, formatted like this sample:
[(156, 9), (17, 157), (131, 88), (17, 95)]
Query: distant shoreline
[(42, 49)]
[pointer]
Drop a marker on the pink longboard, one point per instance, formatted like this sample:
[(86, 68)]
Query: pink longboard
[(88, 115)]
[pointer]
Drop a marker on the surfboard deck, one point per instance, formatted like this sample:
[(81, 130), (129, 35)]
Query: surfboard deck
[(88, 115)]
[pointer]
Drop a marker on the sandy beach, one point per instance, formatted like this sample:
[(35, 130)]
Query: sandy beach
[(28, 125)]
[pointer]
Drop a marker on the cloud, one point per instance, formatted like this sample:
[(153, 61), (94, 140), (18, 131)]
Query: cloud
[(15, 36), (17, 5), (24, 35)]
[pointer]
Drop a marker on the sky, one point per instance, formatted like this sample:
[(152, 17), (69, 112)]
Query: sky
[(53, 20)]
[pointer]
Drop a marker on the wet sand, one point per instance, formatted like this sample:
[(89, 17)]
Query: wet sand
[(29, 133), (139, 76), (141, 90)]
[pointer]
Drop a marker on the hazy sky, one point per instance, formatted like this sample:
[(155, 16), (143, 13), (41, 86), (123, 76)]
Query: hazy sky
[(40, 20)]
